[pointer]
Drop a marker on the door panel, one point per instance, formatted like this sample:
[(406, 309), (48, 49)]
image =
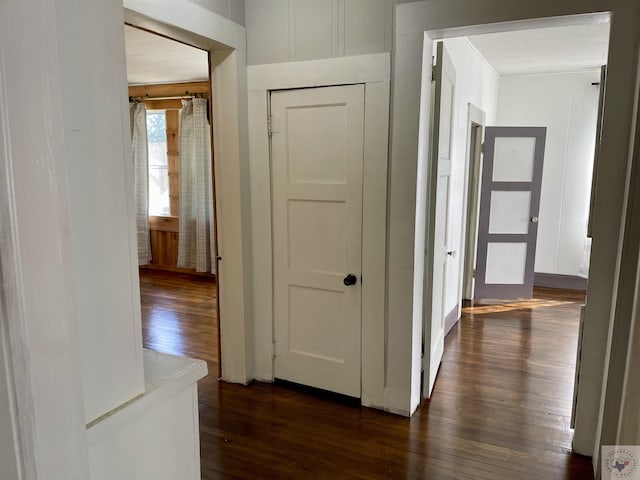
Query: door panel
[(509, 206), (437, 221), (506, 263), (513, 159), (509, 212), (317, 161)]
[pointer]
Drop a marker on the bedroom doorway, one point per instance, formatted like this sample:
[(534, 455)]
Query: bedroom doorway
[(169, 93)]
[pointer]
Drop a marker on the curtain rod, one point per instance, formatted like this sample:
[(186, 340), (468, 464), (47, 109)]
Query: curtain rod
[(169, 97)]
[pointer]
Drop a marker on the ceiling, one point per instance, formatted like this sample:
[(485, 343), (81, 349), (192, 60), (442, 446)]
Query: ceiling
[(548, 50), (152, 59)]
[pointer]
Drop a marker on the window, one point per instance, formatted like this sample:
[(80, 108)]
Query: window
[(159, 204)]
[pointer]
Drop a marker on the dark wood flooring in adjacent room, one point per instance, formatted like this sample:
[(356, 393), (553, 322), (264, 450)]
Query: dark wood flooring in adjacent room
[(500, 408)]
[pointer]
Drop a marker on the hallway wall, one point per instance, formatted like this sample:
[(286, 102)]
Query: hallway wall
[(100, 178), (567, 104), (293, 30), (231, 9)]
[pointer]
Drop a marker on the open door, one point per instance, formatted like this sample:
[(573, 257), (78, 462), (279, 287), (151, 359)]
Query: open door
[(509, 206), (596, 157), (438, 216), (594, 180)]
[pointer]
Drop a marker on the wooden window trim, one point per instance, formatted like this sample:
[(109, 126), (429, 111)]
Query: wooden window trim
[(163, 224)]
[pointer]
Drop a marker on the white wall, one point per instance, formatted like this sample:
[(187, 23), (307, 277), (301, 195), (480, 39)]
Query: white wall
[(35, 246), (160, 444), (157, 435), (567, 104), (476, 83), (291, 30), (231, 9), (100, 181)]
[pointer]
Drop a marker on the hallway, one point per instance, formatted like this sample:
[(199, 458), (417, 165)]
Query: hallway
[(500, 410)]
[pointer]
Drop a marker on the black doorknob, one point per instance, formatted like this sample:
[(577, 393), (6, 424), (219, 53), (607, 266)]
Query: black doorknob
[(350, 279)]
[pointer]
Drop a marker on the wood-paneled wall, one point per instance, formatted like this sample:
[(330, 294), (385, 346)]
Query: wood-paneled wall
[(163, 232)]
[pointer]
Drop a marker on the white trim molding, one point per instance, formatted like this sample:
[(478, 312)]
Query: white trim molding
[(557, 280), (374, 72), (194, 25)]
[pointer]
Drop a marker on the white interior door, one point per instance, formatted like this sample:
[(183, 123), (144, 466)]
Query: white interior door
[(437, 222), (317, 158)]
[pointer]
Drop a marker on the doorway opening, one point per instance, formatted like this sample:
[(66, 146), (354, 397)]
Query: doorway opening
[(169, 92), (562, 92), (512, 79)]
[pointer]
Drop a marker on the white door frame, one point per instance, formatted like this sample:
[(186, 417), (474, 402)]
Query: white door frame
[(448, 18), (476, 118), (373, 71), (225, 41)]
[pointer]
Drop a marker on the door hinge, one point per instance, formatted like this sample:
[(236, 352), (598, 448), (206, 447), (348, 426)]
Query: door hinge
[(473, 274), (273, 124), (433, 73), (482, 147), (273, 350)]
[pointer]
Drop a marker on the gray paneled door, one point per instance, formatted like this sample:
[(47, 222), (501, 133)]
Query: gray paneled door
[(509, 206)]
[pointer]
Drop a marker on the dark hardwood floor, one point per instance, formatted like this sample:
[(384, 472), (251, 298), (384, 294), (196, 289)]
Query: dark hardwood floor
[(179, 315), (500, 408)]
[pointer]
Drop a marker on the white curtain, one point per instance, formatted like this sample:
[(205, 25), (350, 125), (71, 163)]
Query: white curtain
[(195, 240), (141, 173)]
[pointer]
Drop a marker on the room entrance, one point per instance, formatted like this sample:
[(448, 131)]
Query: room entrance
[(504, 215)]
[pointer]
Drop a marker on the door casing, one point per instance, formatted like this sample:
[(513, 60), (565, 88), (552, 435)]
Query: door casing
[(374, 72), (475, 129)]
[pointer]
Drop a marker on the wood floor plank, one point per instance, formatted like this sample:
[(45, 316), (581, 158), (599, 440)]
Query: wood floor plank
[(500, 409)]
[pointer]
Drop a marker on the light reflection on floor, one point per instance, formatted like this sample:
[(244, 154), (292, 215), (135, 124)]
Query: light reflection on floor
[(508, 307), (166, 331)]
